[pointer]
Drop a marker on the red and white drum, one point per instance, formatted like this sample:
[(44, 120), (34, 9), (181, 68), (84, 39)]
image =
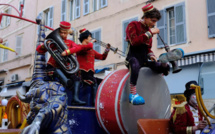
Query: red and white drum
[(113, 110)]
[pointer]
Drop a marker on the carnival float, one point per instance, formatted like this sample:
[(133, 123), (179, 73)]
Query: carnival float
[(46, 107)]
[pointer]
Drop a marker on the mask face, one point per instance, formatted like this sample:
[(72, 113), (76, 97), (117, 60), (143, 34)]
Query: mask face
[(193, 100)]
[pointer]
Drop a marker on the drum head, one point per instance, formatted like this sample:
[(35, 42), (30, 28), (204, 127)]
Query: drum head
[(151, 86)]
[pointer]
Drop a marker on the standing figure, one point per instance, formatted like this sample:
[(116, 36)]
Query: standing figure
[(53, 66), (139, 36), (86, 59), (186, 117)]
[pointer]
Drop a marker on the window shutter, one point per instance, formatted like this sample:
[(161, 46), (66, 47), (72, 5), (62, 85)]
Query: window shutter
[(211, 18), (125, 43), (38, 27), (77, 9), (125, 24), (103, 3), (5, 56), (95, 5), (63, 10), (86, 7), (96, 46), (18, 45), (23, 10), (71, 10), (180, 31), (50, 18), (161, 25), (8, 18)]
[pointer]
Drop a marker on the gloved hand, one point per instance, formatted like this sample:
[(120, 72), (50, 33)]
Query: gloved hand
[(107, 48)]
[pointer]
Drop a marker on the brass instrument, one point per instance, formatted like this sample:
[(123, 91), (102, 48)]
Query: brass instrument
[(55, 45), (115, 50)]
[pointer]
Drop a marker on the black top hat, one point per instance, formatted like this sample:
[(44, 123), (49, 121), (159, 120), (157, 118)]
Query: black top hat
[(188, 92)]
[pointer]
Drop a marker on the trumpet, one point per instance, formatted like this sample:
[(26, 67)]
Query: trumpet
[(115, 50)]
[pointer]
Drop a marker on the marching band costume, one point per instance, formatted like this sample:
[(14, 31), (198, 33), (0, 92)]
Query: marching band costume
[(86, 61), (52, 64), (139, 37), (184, 116), (71, 45)]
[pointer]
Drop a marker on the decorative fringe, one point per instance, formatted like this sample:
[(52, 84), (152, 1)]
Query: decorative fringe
[(180, 109)]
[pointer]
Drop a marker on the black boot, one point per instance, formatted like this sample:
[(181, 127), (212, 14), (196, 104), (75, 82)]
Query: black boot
[(161, 68), (94, 91), (75, 99), (62, 77)]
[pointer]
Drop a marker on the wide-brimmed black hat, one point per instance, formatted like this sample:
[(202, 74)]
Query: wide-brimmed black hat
[(188, 92)]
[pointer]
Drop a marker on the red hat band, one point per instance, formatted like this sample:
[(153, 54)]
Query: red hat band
[(82, 30), (65, 25), (147, 8)]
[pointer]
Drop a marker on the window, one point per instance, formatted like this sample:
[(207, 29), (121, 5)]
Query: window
[(211, 18), (5, 53), (97, 35), (74, 9), (95, 5), (23, 10), (103, 3), (124, 26), (77, 9), (5, 19), (63, 10), (48, 16), (19, 45), (98, 4), (172, 25), (86, 6)]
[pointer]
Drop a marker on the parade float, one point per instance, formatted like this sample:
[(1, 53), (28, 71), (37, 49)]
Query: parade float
[(52, 112)]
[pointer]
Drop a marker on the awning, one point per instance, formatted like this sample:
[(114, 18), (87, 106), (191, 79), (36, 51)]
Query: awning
[(197, 57), (3, 70), (10, 89), (190, 64), (101, 70)]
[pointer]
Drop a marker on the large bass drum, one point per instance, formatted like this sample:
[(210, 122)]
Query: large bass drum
[(113, 110)]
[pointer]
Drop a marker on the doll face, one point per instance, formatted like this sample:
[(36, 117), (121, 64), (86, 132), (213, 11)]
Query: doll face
[(150, 22), (88, 40), (193, 101), (63, 34)]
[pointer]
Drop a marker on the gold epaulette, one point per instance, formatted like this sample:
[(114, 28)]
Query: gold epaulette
[(180, 109)]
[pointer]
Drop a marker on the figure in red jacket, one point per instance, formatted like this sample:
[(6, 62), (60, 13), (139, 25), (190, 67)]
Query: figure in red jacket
[(86, 59), (186, 117), (52, 65), (139, 36)]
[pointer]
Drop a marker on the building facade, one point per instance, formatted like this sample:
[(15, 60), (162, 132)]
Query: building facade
[(20, 36), (189, 25)]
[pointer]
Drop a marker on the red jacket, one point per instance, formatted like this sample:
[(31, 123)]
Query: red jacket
[(183, 121), (87, 58), (138, 34), (72, 48)]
